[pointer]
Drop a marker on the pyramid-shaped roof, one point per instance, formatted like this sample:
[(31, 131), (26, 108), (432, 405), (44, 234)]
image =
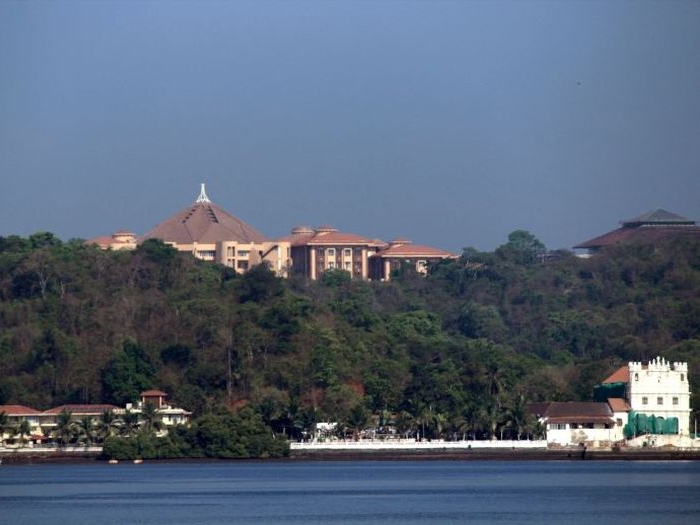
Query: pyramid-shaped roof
[(204, 222), (658, 216)]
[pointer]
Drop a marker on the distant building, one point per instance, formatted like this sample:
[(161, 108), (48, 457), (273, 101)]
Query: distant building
[(401, 253), (121, 240), (315, 251), (325, 248), (649, 227), (212, 234)]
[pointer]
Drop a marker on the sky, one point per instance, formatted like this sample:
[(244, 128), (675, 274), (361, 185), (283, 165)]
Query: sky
[(450, 123)]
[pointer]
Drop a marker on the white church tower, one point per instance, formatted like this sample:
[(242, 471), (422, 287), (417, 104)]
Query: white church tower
[(661, 388)]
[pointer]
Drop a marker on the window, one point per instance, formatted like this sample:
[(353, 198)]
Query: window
[(348, 266), (331, 265), (659, 400), (645, 400), (330, 252), (242, 265), (682, 377), (618, 422), (243, 253), (347, 252), (675, 401), (636, 377)]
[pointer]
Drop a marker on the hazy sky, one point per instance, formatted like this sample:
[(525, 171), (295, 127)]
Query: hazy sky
[(451, 123)]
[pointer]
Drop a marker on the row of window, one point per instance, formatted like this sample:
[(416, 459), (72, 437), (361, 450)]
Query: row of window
[(240, 253), (330, 252), (564, 426), (659, 400), (636, 377)]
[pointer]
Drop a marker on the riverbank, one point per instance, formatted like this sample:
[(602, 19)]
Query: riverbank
[(485, 454), (436, 454)]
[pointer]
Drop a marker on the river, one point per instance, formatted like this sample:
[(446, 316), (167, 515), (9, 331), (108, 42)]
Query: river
[(352, 492)]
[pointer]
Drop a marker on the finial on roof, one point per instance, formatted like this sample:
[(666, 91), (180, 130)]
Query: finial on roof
[(202, 195)]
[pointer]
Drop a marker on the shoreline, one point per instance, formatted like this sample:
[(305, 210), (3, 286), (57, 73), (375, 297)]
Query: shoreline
[(436, 454)]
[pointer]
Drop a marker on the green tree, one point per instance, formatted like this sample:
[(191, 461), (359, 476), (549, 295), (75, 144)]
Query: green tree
[(522, 247), (65, 427), (129, 373)]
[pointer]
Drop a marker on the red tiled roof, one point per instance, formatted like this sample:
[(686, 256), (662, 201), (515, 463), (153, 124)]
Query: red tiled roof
[(18, 410), (406, 249), (102, 241), (578, 410), (649, 227), (618, 404), (621, 375), (538, 409), (153, 393), (328, 236), (78, 410), (643, 233)]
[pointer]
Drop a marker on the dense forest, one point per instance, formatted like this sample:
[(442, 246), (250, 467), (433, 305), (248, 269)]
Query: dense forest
[(459, 351)]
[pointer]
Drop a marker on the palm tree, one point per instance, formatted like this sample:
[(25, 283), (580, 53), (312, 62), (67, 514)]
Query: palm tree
[(405, 423), (23, 429), (519, 417), (65, 427), (84, 427), (131, 423), (490, 416), (150, 418), (357, 420), (440, 420), (4, 425), (108, 425)]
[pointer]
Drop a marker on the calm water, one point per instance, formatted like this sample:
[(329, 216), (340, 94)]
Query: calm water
[(352, 492)]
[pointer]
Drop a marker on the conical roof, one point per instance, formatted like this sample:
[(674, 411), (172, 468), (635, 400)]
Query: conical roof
[(204, 222)]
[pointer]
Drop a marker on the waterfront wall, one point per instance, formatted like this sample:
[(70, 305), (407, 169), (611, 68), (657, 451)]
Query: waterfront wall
[(411, 444)]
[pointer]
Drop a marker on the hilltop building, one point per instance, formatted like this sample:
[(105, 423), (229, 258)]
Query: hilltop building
[(400, 253), (121, 240), (649, 227), (212, 234)]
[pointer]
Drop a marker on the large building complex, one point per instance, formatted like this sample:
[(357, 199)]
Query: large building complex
[(210, 233)]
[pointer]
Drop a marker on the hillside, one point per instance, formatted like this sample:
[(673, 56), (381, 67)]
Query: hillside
[(460, 351)]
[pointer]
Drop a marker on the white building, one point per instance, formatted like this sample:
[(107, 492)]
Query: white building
[(661, 388), (579, 423), (658, 388)]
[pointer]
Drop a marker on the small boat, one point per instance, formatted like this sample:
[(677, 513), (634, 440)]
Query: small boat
[(138, 461), (113, 461)]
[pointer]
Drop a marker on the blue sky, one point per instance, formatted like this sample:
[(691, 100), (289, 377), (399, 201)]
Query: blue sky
[(451, 123)]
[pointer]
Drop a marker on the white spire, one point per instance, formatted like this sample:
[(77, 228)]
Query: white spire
[(202, 195)]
